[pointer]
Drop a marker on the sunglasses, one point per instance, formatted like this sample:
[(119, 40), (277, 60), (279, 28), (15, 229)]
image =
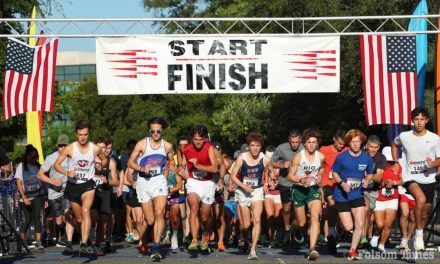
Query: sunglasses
[(62, 145), (159, 131)]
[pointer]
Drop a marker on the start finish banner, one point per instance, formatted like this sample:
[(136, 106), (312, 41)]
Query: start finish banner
[(212, 64)]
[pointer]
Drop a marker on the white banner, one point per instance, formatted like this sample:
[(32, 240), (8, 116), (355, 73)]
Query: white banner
[(212, 64)]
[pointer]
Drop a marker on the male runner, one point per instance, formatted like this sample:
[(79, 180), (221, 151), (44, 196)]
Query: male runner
[(152, 154), (422, 150), (80, 188)]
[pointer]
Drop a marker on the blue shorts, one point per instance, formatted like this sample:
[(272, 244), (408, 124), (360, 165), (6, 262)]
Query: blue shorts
[(231, 206)]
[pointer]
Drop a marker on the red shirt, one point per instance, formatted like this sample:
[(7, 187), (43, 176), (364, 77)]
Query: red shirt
[(330, 155), (386, 194), (202, 156)]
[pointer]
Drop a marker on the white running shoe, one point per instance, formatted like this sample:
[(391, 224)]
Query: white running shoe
[(374, 241), (419, 244), (174, 241)]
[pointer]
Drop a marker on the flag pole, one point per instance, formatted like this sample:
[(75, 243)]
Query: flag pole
[(33, 120)]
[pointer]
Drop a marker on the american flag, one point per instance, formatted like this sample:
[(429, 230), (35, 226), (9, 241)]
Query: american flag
[(29, 78), (389, 78), (132, 63)]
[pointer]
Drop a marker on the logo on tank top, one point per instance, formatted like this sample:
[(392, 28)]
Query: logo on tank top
[(362, 167), (83, 163)]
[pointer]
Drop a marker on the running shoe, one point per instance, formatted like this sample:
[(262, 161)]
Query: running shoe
[(331, 243), (253, 255), (68, 250), (108, 247), (221, 247), (418, 243), (194, 245), (174, 241), (60, 244), (84, 250), (39, 245), (353, 255), (313, 255), (143, 249), (155, 255)]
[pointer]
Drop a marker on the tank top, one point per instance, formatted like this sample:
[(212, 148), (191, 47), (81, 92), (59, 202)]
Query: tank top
[(308, 169), (386, 194), (252, 175), (202, 157), (82, 164), (155, 158)]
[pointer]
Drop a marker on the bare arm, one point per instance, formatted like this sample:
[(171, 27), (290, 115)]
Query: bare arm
[(138, 149), (67, 152), (208, 168), (293, 169), (234, 173), (129, 177), (114, 180)]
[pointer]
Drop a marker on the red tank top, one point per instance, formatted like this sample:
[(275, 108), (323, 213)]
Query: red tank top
[(386, 194), (202, 157)]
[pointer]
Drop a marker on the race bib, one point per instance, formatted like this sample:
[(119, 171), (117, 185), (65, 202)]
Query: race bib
[(198, 174), (418, 167), (81, 175), (388, 192), (155, 170), (354, 183), (32, 186), (97, 180), (250, 181), (330, 175)]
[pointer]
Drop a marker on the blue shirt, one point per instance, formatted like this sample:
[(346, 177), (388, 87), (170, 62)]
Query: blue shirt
[(352, 170)]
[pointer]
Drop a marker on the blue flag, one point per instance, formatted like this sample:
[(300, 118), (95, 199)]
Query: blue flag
[(420, 24)]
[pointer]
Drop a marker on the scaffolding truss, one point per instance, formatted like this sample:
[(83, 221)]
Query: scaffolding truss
[(296, 27)]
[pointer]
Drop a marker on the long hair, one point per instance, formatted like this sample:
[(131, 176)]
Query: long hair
[(29, 150)]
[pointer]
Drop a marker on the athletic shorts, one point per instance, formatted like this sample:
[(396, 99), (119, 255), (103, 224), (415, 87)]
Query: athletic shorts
[(346, 206), (149, 188), (219, 196), (328, 191), (74, 191), (102, 202), (116, 202), (204, 189), (427, 189), (411, 202), (58, 206), (285, 193), (275, 197), (231, 206), (304, 195), (389, 204), (175, 199), (133, 201), (371, 198), (245, 199)]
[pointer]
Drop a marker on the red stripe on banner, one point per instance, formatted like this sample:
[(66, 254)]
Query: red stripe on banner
[(146, 51), (54, 68), (393, 119), (409, 87), (327, 73), (323, 51), (127, 76), (45, 77), (123, 61), (125, 68), (144, 58), (371, 73), (304, 62), (36, 81), (305, 70), (121, 53), (362, 48), (17, 94), (307, 77), (381, 84), (215, 59), (325, 67), (400, 96), (323, 59), (148, 73), (146, 66), (303, 54)]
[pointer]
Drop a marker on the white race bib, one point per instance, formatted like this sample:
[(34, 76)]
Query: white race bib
[(388, 192), (354, 183), (250, 181), (155, 170), (418, 167)]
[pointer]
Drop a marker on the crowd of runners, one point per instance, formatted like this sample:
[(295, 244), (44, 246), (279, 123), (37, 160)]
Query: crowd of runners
[(189, 193)]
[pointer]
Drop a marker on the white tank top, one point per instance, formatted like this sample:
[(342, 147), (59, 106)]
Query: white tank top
[(82, 164), (308, 169), (155, 158)]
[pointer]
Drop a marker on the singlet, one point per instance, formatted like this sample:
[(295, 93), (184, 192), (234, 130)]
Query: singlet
[(308, 169), (386, 194), (330, 154), (252, 175), (155, 158), (202, 157), (82, 164)]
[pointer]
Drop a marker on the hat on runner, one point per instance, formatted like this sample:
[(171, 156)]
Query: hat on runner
[(63, 140), (244, 148), (386, 151)]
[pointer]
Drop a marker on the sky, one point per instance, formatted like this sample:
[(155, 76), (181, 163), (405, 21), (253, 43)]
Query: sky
[(95, 9)]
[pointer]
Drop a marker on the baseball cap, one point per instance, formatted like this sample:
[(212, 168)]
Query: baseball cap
[(63, 139)]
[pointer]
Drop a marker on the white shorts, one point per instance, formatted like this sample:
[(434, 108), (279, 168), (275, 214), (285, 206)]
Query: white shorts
[(204, 189), (390, 204), (244, 198), (149, 188), (275, 197)]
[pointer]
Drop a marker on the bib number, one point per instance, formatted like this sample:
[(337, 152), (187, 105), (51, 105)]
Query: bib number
[(155, 170), (253, 182), (330, 175), (388, 192), (32, 186), (418, 167), (354, 183)]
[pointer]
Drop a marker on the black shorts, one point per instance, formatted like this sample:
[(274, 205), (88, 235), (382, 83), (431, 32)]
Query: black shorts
[(74, 191), (102, 201), (346, 206), (133, 201), (328, 191), (58, 206), (285, 193), (219, 197), (116, 202), (427, 189)]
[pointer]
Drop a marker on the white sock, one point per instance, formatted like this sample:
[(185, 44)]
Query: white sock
[(419, 232), (381, 246)]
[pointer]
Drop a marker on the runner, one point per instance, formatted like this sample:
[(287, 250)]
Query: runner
[(306, 172), (385, 211), (248, 174), (330, 215), (200, 160), (371, 193), (184, 207), (281, 159), (80, 188), (59, 206), (174, 200), (31, 192), (422, 151), (152, 154), (219, 198), (352, 170)]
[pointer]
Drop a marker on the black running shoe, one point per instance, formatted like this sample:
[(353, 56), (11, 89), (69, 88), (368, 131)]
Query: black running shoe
[(155, 255), (286, 238), (84, 251), (331, 243), (108, 247)]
